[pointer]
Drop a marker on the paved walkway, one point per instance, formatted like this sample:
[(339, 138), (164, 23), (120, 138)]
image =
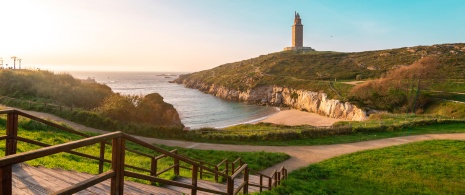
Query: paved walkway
[(301, 156)]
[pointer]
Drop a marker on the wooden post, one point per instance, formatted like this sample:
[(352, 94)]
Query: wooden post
[(117, 164), (261, 183), (195, 168), (102, 157), (230, 186), (285, 173), (232, 168), (227, 166), (200, 171), (275, 178), (153, 168), (176, 165), (10, 148), (278, 179), (216, 173), (246, 180), (269, 183)]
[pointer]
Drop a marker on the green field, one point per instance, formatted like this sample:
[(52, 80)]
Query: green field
[(36, 131), (430, 167)]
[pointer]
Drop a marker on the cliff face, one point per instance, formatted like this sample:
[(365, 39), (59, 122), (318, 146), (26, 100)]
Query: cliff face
[(298, 99)]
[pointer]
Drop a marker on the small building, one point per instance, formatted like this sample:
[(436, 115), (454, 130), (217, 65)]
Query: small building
[(298, 36)]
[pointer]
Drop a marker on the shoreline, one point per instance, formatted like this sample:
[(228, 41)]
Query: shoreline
[(294, 117)]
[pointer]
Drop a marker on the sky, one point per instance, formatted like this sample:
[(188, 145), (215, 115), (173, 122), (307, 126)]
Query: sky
[(194, 35)]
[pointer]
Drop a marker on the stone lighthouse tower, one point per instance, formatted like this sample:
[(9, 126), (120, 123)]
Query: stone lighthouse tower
[(298, 35), (297, 32)]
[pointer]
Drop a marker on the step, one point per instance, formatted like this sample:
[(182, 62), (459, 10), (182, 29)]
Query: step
[(40, 180)]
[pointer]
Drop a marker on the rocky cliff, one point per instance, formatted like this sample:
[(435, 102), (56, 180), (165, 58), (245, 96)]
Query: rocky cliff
[(274, 95)]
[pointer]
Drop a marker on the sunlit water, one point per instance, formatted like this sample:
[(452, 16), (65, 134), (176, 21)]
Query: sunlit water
[(196, 108)]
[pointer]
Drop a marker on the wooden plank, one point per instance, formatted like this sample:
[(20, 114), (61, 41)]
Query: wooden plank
[(85, 184), (155, 179), (4, 137), (25, 156), (256, 185)]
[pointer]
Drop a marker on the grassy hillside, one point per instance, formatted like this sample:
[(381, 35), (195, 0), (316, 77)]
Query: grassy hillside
[(313, 70), (431, 167), (37, 131), (85, 103)]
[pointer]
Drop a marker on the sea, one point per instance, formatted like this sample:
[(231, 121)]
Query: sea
[(196, 109)]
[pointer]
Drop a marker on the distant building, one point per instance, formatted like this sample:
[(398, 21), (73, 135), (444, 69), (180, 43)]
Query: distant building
[(298, 35)]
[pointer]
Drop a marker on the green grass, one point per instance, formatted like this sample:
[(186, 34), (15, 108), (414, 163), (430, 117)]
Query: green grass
[(277, 139), (299, 70), (38, 132), (430, 167), (457, 85), (447, 108)]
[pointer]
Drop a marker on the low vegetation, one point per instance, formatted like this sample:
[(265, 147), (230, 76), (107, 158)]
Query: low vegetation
[(45, 134), (313, 70), (430, 167), (401, 90), (37, 90)]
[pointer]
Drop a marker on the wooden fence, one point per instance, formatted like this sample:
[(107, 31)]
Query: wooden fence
[(118, 140)]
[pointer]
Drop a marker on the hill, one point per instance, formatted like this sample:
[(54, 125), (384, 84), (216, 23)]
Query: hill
[(86, 101), (307, 80), (297, 69)]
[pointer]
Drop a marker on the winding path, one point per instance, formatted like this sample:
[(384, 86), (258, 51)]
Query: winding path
[(301, 156)]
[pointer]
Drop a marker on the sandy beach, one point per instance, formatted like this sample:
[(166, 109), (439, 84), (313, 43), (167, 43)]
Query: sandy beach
[(296, 117)]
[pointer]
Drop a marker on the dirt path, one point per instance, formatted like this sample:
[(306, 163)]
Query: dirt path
[(301, 156)]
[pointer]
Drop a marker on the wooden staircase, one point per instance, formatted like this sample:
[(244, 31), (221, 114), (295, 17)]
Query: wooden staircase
[(18, 178), (41, 181)]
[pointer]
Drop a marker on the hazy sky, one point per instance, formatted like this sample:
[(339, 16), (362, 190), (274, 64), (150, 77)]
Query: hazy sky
[(193, 35)]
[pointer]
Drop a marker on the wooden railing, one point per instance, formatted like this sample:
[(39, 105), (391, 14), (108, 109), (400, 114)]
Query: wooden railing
[(118, 140)]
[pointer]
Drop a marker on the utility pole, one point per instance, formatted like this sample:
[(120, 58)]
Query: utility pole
[(19, 63), (14, 61)]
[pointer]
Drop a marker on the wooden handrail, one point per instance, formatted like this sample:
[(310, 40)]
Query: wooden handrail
[(260, 174), (86, 183), (118, 154), (219, 164), (239, 171), (52, 124), (22, 157), (238, 189), (157, 149), (164, 155), (7, 111), (4, 137)]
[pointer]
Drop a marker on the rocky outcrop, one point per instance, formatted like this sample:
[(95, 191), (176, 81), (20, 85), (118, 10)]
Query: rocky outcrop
[(274, 95)]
